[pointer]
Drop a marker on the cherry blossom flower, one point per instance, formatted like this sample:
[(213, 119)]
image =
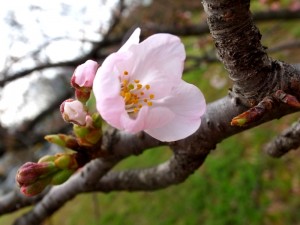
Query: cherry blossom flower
[(74, 111), (84, 74), (139, 88)]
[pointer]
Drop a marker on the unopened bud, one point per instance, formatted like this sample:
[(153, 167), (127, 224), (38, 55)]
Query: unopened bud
[(30, 172), (61, 176), (66, 161), (62, 140), (84, 74), (73, 111), (35, 188)]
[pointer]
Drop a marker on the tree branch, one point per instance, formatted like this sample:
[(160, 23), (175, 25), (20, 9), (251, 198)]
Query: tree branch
[(286, 141)]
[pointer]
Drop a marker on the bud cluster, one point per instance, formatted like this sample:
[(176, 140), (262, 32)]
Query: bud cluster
[(81, 112), (33, 178)]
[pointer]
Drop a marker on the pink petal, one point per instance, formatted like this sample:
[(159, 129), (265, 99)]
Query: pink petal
[(132, 40), (158, 61), (146, 118), (106, 89), (186, 100), (188, 105), (178, 129)]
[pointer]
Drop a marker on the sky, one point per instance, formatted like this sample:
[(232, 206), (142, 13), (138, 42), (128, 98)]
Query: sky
[(36, 22)]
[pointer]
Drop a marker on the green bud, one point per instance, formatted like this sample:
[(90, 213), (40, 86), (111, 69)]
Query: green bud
[(61, 176), (94, 136), (66, 161), (47, 158), (97, 120), (62, 140), (91, 103), (55, 139), (80, 131)]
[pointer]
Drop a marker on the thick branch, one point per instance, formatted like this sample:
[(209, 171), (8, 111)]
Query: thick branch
[(189, 154)]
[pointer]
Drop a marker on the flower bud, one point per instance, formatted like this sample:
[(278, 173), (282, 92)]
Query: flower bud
[(73, 111), (61, 176), (97, 120), (84, 75), (87, 136), (35, 188), (62, 140), (66, 161), (47, 158), (30, 172)]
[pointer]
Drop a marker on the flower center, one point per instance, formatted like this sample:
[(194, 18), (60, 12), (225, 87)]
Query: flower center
[(135, 94)]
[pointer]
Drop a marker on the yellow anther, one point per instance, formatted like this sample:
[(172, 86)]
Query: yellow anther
[(140, 105), (139, 86), (142, 93), (147, 86), (145, 100), (127, 96), (151, 96), (135, 110), (149, 103), (136, 81), (125, 72), (125, 82)]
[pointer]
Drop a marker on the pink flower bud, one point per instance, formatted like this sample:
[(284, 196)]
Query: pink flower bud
[(73, 111), (84, 74), (35, 188), (30, 172)]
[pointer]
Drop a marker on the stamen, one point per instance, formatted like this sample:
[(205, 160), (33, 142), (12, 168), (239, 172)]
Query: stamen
[(135, 94), (127, 96)]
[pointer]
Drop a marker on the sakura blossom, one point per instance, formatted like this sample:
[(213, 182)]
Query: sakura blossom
[(140, 88)]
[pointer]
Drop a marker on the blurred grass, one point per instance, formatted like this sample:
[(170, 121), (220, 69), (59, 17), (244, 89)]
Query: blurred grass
[(238, 184)]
